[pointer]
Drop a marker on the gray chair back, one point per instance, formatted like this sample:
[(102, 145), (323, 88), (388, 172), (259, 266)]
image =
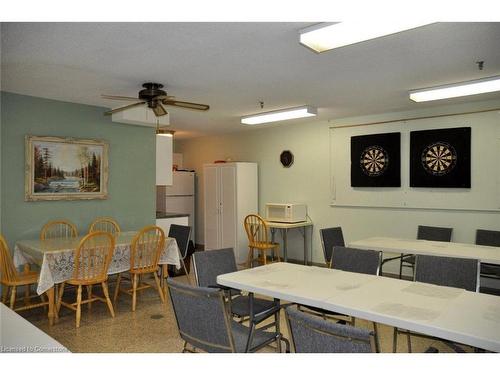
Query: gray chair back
[(487, 237), (212, 263), (310, 334), (356, 260), (446, 271), (434, 233), (181, 234), (331, 237), (202, 317)]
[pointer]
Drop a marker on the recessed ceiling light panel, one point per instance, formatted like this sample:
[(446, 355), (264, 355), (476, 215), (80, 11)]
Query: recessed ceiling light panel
[(327, 36), (279, 115), (455, 90)]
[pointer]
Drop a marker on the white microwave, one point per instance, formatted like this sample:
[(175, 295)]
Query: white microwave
[(286, 212)]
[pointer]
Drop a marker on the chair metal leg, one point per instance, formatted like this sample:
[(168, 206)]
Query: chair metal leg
[(395, 341), (108, 301), (12, 297), (185, 270), (250, 337), (117, 287), (134, 291), (78, 306), (251, 322), (408, 339), (401, 267), (377, 341), (277, 324), (158, 286)]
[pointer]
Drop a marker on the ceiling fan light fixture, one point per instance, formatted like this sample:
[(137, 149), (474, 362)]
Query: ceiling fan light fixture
[(280, 115), (326, 36), (455, 90)]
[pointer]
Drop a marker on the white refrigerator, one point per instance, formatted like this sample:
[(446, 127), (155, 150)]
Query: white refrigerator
[(179, 198)]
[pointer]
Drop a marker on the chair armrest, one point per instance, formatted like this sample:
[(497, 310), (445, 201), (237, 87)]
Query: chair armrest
[(263, 315)]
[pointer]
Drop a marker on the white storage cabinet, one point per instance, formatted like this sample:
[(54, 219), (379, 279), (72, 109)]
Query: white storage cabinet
[(231, 193)]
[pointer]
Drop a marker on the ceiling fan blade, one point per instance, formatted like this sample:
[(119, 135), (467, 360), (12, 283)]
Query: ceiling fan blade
[(117, 97), (164, 97), (123, 108), (159, 110), (177, 103)]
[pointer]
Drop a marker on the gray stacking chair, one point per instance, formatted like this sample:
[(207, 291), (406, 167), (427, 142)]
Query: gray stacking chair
[(351, 260), (356, 260), (210, 264), (181, 234), (489, 238), (310, 334), (424, 233), (204, 322), (445, 271), (331, 237)]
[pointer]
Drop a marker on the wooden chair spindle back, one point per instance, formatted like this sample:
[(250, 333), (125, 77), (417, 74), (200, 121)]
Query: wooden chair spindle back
[(93, 256), (146, 249), (7, 269), (256, 229), (58, 229), (105, 224)]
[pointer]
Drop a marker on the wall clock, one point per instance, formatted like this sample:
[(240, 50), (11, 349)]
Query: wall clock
[(286, 158)]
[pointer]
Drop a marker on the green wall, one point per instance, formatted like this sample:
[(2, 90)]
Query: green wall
[(131, 189)]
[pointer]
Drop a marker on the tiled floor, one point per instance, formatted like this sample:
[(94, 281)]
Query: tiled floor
[(152, 328)]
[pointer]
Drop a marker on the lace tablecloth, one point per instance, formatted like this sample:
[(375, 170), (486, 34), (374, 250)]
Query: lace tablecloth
[(55, 257)]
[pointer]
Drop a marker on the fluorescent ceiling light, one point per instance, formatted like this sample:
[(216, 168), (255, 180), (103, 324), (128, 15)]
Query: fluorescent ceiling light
[(326, 36), (282, 114), (479, 86)]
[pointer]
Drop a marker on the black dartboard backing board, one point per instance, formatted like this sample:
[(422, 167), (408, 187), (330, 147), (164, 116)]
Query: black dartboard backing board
[(376, 160), (440, 158)]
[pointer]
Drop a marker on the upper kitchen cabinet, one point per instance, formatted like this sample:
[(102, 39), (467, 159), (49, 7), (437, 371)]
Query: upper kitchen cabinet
[(164, 150)]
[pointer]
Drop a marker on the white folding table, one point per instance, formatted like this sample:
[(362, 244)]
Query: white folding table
[(448, 313), (17, 335), (486, 254)]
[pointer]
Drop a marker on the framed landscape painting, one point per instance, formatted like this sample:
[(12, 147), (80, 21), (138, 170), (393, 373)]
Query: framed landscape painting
[(65, 168)]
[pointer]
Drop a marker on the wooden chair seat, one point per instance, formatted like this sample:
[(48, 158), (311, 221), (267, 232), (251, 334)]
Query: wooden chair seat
[(30, 277), (264, 246), (12, 279)]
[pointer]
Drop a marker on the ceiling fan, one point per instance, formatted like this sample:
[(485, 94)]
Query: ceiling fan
[(155, 98)]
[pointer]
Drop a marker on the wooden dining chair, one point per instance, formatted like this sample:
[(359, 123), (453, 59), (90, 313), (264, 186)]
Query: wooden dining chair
[(92, 258), (145, 251), (105, 224), (11, 279), (257, 233), (58, 229)]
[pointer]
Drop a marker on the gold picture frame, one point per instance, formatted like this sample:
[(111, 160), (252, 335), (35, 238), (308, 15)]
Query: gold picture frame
[(59, 168)]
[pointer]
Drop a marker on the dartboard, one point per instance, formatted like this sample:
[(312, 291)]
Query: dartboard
[(439, 158), (374, 161)]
